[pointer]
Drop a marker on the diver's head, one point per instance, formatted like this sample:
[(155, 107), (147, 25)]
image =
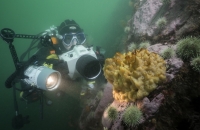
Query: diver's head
[(71, 33)]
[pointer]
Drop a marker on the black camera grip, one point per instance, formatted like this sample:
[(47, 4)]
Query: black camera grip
[(11, 78)]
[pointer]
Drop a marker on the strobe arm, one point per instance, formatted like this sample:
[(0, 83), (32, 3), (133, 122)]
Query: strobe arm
[(27, 36), (8, 36)]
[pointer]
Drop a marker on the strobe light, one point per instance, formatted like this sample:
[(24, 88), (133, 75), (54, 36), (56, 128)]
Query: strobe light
[(42, 77), (82, 61)]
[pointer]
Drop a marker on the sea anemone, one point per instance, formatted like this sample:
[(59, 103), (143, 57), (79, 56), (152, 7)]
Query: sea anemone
[(161, 22), (132, 47), (188, 48), (168, 53), (112, 113), (132, 116), (127, 29), (195, 63), (144, 45)]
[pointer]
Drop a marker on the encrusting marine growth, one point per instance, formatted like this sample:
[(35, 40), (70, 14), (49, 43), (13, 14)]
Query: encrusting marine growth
[(134, 74)]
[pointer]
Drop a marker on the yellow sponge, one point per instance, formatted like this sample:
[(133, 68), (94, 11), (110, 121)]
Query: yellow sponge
[(134, 74)]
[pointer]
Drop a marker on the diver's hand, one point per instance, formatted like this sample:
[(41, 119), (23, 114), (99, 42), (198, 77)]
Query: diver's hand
[(60, 64), (62, 67)]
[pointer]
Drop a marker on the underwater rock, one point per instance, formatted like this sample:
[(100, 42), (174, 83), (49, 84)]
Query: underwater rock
[(169, 77), (144, 19), (116, 124), (157, 48), (197, 1), (173, 64), (144, 16), (94, 107), (105, 100), (188, 27), (150, 107), (180, 22)]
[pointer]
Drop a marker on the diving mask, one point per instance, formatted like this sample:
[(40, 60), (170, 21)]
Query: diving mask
[(70, 39)]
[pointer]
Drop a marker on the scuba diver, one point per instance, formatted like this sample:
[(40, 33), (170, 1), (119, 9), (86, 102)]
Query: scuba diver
[(60, 49), (67, 39)]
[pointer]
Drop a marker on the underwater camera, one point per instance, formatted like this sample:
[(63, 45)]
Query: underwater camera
[(34, 77), (83, 62)]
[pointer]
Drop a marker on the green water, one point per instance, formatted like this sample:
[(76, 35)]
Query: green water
[(100, 20)]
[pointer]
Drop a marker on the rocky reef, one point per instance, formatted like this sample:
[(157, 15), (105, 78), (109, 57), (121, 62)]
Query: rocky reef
[(174, 104)]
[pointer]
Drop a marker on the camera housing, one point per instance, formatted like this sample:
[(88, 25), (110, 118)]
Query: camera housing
[(83, 62)]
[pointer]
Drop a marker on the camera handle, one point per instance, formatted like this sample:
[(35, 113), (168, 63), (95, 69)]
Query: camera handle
[(8, 36)]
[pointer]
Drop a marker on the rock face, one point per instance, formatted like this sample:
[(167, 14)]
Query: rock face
[(148, 106), (144, 17), (183, 19), (93, 110), (105, 100), (174, 63), (116, 124), (180, 16)]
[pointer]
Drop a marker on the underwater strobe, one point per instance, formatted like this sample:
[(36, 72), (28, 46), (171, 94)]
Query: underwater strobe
[(42, 77), (36, 78)]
